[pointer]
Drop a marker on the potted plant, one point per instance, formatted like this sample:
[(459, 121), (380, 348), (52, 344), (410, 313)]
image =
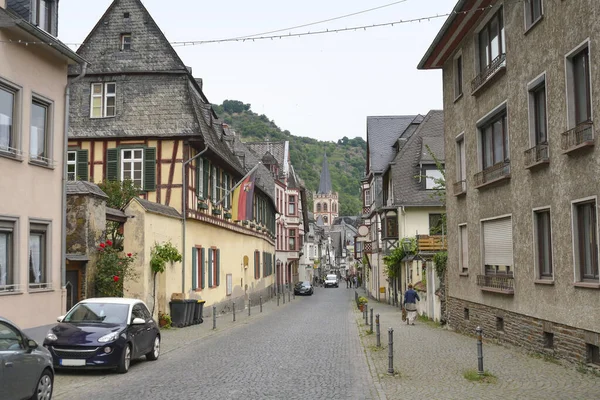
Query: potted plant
[(216, 211), (202, 205), (164, 320), (244, 222), (362, 301)]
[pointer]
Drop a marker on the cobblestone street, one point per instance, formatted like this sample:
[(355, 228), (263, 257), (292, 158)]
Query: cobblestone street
[(308, 348), (430, 362)]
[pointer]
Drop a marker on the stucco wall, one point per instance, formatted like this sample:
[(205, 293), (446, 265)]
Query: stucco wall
[(564, 26), (415, 220)]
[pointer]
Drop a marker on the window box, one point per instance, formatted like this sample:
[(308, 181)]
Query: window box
[(258, 228), (493, 174), (537, 156), (202, 205), (244, 223), (216, 212), (503, 284), (459, 188), (252, 224), (579, 137), (227, 215)]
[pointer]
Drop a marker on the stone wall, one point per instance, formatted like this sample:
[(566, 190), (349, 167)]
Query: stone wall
[(533, 334)]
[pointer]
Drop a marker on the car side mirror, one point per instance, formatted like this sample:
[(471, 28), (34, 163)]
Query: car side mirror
[(60, 319), (32, 344), (138, 321)]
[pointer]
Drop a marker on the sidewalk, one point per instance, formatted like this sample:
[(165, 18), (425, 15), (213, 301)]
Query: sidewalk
[(429, 362)]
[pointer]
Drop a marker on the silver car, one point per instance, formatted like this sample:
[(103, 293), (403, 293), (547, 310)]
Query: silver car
[(26, 370)]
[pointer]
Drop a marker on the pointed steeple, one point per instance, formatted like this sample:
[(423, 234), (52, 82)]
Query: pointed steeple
[(325, 182)]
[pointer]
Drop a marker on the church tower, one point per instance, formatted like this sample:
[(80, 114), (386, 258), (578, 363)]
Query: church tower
[(325, 200)]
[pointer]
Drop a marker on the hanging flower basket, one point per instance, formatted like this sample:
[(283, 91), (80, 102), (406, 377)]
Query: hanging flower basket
[(258, 228), (227, 215), (216, 212), (244, 222), (252, 225), (202, 205)]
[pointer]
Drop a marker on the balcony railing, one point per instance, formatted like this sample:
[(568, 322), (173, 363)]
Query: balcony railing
[(432, 242), (580, 136), (494, 173), (459, 187), (497, 283), (537, 155), (496, 65), (366, 210)]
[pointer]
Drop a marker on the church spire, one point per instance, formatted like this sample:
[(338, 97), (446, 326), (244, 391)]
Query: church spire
[(325, 182)]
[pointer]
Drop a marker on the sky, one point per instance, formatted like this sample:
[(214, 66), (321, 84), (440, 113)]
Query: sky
[(320, 86)]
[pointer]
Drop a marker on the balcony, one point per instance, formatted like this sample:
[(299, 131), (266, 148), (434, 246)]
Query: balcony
[(536, 156), (496, 66), (459, 188), (504, 284), (579, 137), (432, 243), (495, 173)]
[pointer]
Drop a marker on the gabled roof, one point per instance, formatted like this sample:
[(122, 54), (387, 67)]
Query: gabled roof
[(325, 180), (382, 133), (156, 208), (84, 188), (406, 167)]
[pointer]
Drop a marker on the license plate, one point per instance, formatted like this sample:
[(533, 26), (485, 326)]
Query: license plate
[(72, 363)]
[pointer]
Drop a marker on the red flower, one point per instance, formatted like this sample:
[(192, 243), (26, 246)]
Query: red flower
[(129, 254), (116, 278), (108, 242), (102, 245)]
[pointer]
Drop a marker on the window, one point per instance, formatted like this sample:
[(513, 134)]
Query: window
[(500, 324), (458, 77), (491, 42), (71, 165), (7, 119), (466, 314), (324, 207), (543, 244), (580, 89), (104, 96), (77, 165), (494, 141), (548, 340), (593, 354), (38, 256), (432, 177), (461, 163), (44, 15), (539, 114), (132, 161), (585, 240), (436, 224), (367, 197), (256, 264), (125, 41), (198, 268), (292, 240), (227, 189), (498, 246), (292, 205), (39, 140), (533, 12), (214, 267), (7, 278), (202, 178), (463, 254), (318, 207), (213, 179)]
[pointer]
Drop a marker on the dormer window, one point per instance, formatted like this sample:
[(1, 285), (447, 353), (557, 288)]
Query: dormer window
[(45, 14), (125, 41)]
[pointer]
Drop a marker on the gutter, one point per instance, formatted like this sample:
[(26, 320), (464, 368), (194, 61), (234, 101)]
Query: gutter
[(63, 245)]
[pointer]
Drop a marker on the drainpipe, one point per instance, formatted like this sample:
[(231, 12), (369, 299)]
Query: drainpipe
[(184, 213), (63, 239)]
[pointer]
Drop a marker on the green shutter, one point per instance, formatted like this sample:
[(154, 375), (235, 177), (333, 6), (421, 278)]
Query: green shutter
[(112, 164), (194, 268), (218, 267), (206, 179), (150, 169), (202, 267), (82, 165), (210, 268), (198, 180)]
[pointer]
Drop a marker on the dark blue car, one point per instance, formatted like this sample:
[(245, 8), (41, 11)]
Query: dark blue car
[(104, 333)]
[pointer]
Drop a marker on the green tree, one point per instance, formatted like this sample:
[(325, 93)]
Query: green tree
[(119, 194)]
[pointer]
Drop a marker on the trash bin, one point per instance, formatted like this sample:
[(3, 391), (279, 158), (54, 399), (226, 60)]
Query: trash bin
[(191, 305), (178, 313), (198, 312)]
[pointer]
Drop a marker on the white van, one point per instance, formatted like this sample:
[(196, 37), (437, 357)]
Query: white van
[(331, 280)]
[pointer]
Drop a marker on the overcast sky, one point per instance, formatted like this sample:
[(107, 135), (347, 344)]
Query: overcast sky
[(321, 86)]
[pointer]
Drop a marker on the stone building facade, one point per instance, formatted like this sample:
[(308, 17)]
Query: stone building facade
[(520, 82), (325, 200)]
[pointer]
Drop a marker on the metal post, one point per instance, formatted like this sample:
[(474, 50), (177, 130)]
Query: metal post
[(293, 295), (479, 351), (366, 315), (260, 302), (289, 295), (371, 320), (390, 351), (277, 299), (234, 311), (378, 330), (214, 317), (283, 295), (249, 305)]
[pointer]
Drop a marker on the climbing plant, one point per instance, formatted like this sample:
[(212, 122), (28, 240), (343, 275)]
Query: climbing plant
[(160, 255), (440, 259)]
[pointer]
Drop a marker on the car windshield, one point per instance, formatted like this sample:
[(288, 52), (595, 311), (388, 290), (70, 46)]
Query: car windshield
[(108, 313), (331, 277), (307, 284)]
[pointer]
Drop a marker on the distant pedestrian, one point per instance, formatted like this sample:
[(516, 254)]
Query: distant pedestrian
[(355, 282), (347, 282), (410, 304)]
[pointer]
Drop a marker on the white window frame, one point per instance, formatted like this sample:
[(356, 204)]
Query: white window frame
[(14, 141), (213, 174), (124, 43), (570, 82), (537, 274), (430, 179), (575, 239), (483, 121), (47, 158), (44, 228), (482, 246), (72, 163), (461, 153), (529, 21), (462, 265), (104, 96), (10, 225), (532, 87), (131, 160)]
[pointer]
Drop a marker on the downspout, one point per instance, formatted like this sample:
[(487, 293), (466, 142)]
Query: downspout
[(63, 239)]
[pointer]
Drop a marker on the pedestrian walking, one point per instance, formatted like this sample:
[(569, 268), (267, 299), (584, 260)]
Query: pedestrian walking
[(410, 304), (347, 279), (355, 282)]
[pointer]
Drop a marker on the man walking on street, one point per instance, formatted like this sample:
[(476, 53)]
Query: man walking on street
[(410, 304)]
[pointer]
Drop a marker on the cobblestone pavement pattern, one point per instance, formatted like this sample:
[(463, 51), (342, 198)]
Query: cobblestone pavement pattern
[(308, 348), (430, 362)]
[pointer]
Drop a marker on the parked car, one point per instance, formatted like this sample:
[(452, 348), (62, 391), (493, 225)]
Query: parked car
[(303, 288), (104, 333), (25, 367), (331, 280)]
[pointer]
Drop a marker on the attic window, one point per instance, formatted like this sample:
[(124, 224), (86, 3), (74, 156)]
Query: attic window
[(126, 15), (125, 41)]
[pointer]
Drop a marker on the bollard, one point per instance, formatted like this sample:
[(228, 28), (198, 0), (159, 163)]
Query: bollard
[(289, 295), (390, 351), (293, 295), (377, 329), (214, 317), (479, 351), (371, 320), (277, 299), (366, 315), (283, 295), (249, 305), (234, 311), (260, 302)]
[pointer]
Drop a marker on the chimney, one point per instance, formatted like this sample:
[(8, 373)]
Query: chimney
[(199, 82), (189, 69)]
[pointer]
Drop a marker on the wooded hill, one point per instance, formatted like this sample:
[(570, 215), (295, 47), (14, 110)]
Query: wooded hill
[(346, 157)]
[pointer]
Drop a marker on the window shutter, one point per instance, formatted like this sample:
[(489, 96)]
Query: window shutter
[(112, 164), (150, 169), (497, 242), (206, 170), (82, 165), (210, 268), (194, 268), (199, 191), (218, 267), (219, 184), (202, 267)]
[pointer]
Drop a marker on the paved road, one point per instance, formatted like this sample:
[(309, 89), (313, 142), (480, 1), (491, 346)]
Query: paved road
[(308, 348)]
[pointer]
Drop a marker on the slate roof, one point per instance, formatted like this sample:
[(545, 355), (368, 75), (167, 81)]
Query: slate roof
[(274, 149), (408, 191), (21, 7), (382, 133), (325, 180), (352, 221), (84, 188), (157, 208)]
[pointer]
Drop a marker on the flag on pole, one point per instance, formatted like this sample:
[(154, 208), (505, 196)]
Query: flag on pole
[(243, 195)]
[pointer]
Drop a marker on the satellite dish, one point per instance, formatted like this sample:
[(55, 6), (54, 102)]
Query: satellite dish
[(363, 230)]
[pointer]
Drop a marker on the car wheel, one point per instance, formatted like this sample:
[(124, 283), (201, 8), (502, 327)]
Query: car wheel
[(43, 389), (125, 360), (155, 352)]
